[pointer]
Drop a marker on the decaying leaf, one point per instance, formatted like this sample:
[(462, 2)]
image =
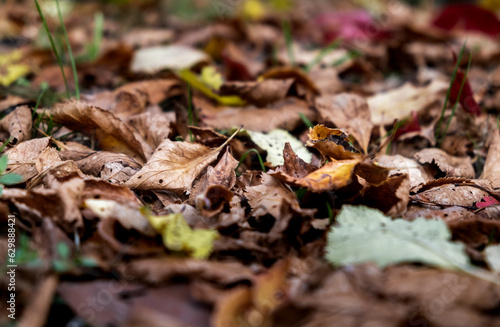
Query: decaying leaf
[(333, 144), (174, 166), (284, 114), (399, 103), (23, 157), (334, 175), (366, 235), (443, 165), (491, 171), (17, 124), (253, 306), (128, 216), (349, 112), (113, 135), (258, 93)]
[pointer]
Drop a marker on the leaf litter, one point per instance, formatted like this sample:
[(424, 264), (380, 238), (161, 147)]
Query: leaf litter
[(251, 163)]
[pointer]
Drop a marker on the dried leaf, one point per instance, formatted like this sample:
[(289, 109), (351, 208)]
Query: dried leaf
[(444, 165), (174, 166), (333, 144), (259, 93), (399, 103), (18, 124), (332, 176), (113, 135), (284, 114), (491, 171), (349, 112), (23, 157)]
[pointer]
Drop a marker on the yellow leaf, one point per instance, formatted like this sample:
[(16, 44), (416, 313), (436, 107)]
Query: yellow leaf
[(211, 77), (332, 176), (11, 69), (178, 236), (333, 144), (490, 4), (253, 9), (191, 78)]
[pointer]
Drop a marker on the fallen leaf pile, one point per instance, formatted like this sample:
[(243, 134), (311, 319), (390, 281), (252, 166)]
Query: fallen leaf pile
[(250, 163)]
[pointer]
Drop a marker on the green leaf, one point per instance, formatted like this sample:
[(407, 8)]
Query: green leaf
[(274, 142), (11, 179), (4, 161), (63, 250), (88, 262), (492, 257), (366, 235)]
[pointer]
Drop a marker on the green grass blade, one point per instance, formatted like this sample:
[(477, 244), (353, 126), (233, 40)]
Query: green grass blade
[(98, 31), (53, 45), (326, 50), (453, 77), (70, 52), (243, 157), (287, 32), (455, 105)]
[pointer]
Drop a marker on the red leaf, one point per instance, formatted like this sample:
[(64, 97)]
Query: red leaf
[(412, 125), (486, 202), (349, 25), (466, 100), (468, 17)]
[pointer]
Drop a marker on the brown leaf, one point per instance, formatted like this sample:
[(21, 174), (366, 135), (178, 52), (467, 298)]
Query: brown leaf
[(349, 112), (113, 135), (153, 128), (156, 90), (213, 200), (333, 144), (293, 168), (391, 197), (295, 73), (117, 167), (284, 114), (174, 166), (491, 170), (443, 165), (451, 194), (272, 198), (399, 103), (17, 124), (258, 93), (399, 164), (332, 176), (163, 269), (23, 157), (253, 306), (60, 204)]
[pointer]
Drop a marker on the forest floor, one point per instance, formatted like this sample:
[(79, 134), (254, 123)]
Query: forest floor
[(249, 163)]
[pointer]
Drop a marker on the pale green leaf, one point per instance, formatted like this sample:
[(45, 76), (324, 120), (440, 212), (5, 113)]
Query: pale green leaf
[(274, 142), (492, 257), (367, 235), (11, 179), (4, 161)]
